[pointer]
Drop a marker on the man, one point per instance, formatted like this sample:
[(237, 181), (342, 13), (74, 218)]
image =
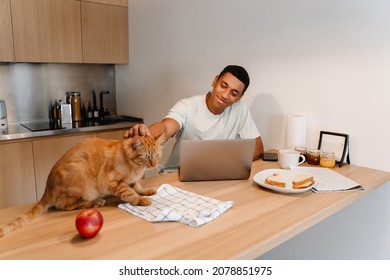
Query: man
[(220, 114)]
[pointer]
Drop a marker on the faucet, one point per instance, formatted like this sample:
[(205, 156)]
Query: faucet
[(101, 110)]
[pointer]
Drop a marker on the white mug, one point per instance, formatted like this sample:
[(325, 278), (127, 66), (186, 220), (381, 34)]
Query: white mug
[(290, 158)]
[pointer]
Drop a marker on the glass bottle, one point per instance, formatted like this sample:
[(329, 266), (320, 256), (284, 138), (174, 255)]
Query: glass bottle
[(83, 113), (75, 101), (89, 112), (95, 108)]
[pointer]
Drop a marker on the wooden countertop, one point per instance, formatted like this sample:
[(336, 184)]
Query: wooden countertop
[(259, 220)]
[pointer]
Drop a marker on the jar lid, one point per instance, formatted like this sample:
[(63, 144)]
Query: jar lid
[(327, 154)]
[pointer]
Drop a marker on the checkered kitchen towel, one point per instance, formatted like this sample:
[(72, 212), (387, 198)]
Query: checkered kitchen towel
[(174, 204)]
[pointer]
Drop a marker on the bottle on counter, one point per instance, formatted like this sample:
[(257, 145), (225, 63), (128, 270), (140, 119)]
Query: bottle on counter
[(51, 115), (57, 114), (96, 113), (89, 112), (75, 101), (95, 107), (83, 113)]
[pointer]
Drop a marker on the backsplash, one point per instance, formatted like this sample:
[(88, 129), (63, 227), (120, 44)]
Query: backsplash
[(28, 88)]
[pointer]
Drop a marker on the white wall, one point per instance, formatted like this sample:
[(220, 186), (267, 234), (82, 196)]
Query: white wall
[(328, 59)]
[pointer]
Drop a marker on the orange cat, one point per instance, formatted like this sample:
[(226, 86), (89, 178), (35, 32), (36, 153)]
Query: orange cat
[(94, 169)]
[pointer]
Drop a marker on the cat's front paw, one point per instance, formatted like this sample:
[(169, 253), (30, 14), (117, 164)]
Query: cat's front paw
[(99, 202), (144, 201), (151, 191)]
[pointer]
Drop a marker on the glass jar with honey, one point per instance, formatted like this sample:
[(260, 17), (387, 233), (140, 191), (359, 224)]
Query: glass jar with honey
[(328, 159), (313, 157)]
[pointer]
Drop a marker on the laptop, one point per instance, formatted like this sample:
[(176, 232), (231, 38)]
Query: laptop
[(207, 160)]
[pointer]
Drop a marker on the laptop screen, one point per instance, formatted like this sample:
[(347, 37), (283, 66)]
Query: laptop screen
[(206, 160)]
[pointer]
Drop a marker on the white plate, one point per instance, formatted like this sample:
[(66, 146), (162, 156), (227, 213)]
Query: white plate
[(287, 176)]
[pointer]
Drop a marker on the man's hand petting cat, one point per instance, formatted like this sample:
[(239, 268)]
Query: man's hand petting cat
[(138, 129)]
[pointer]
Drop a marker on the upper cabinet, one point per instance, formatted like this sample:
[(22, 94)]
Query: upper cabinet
[(122, 3), (105, 32), (47, 30), (64, 31), (6, 41)]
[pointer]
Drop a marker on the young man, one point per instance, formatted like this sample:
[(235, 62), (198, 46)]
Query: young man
[(220, 114)]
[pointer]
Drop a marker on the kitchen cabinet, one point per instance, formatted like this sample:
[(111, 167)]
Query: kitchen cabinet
[(105, 32), (17, 182), (114, 134), (64, 31), (46, 153), (122, 3), (6, 41), (47, 30)]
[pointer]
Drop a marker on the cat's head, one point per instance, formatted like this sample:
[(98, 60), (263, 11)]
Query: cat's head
[(144, 151)]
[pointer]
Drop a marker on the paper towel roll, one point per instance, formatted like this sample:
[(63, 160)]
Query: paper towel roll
[(296, 131)]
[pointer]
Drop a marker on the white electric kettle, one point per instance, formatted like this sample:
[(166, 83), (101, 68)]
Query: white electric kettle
[(3, 116)]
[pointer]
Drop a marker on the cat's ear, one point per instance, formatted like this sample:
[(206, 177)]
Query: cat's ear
[(161, 139), (136, 141)]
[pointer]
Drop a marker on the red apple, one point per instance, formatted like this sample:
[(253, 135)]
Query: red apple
[(89, 222)]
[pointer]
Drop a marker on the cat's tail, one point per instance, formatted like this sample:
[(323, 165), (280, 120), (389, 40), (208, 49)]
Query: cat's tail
[(36, 211)]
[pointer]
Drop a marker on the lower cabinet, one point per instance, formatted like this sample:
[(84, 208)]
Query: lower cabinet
[(46, 153), (115, 134), (24, 166), (17, 180)]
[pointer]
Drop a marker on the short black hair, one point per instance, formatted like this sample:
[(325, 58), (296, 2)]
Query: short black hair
[(239, 72)]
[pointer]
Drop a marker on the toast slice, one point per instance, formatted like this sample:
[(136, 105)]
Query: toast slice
[(302, 181), (275, 180)]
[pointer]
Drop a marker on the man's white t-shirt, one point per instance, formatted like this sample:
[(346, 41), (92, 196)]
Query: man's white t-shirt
[(198, 123)]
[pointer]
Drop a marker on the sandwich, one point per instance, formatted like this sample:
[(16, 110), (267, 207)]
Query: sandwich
[(302, 181), (275, 180)]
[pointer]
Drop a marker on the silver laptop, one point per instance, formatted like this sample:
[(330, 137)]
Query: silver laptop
[(206, 160)]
